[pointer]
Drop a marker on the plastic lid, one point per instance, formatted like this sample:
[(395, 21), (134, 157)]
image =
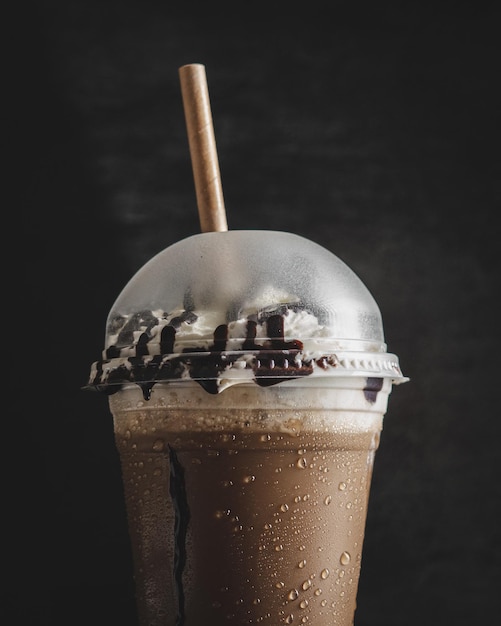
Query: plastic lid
[(234, 306)]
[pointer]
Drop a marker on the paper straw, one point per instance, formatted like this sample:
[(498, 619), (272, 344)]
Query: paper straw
[(203, 151)]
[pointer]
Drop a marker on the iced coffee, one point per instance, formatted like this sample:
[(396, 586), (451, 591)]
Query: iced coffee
[(248, 379)]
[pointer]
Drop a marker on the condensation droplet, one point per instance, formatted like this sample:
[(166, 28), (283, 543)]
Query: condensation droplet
[(303, 604), (279, 548), (265, 437), (302, 463), (280, 585), (158, 445), (284, 508), (324, 574), (249, 479), (289, 619), (293, 594), (342, 486), (306, 585), (318, 592), (323, 603), (345, 558), (328, 499), (157, 471), (302, 563)]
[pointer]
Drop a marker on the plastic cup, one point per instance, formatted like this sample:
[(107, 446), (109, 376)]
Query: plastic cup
[(248, 380)]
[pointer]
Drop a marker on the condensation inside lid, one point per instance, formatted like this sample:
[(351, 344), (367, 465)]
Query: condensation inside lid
[(224, 277)]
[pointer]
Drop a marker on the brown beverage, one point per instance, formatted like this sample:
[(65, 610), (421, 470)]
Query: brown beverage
[(249, 506)]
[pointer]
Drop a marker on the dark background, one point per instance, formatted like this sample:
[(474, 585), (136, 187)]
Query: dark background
[(368, 128)]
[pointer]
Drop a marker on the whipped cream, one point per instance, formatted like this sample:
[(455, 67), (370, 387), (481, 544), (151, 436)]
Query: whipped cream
[(266, 346)]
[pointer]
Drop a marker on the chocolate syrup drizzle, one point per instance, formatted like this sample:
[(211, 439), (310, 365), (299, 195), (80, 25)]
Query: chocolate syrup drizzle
[(177, 489), (372, 387), (274, 361)]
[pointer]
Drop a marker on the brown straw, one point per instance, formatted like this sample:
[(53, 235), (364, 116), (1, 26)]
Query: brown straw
[(202, 144)]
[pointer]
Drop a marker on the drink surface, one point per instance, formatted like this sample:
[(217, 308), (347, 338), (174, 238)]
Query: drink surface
[(250, 507)]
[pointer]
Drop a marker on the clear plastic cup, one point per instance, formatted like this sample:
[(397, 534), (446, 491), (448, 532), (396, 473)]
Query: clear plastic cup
[(248, 380)]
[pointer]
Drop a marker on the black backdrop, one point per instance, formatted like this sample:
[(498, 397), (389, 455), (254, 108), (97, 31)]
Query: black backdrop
[(369, 129)]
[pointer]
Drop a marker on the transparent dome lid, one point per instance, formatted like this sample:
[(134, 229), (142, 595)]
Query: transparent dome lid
[(239, 305)]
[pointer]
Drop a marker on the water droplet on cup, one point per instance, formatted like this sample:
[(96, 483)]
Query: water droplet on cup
[(293, 594), (159, 445), (324, 574), (345, 558)]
